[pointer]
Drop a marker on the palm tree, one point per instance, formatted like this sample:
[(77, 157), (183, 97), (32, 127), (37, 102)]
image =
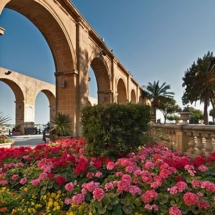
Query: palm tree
[(156, 93), (3, 119), (199, 81), (61, 125)]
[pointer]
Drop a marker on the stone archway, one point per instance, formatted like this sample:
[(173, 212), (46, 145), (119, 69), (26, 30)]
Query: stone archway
[(121, 90), (133, 97), (73, 42), (19, 101), (100, 70), (26, 90), (49, 21), (46, 19), (51, 98)]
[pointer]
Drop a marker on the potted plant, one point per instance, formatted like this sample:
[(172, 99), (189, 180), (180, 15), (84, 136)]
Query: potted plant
[(17, 130), (173, 117), (61, 126)]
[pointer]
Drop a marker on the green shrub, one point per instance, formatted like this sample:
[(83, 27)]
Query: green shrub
[(114, 129), (172, 117)]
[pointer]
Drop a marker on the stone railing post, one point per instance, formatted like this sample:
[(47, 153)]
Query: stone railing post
[(171, 135), (208, 144), (181, 138), (191, 144), (199, 144)]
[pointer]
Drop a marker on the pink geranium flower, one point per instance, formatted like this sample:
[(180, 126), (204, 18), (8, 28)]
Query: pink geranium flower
[(202, 204), (174, 211), (149, 196), (23, 181), (78, 199), (190, 198), (35, 182), (15, 177), (98, 194), (69, 186), (110, 165)]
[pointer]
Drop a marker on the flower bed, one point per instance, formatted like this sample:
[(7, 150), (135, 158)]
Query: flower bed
[(5, 139), (58, 178)]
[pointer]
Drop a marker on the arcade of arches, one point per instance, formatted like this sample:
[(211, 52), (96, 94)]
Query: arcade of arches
[(26, 89), (75, 47)]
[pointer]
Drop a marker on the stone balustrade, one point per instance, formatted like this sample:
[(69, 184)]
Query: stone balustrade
[(190, 139)]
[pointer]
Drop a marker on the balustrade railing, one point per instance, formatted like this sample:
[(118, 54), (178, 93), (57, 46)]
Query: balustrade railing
[(190, 139)]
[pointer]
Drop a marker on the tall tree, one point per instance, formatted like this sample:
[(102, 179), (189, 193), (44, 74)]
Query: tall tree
[(199, 82), (156, 93), (167, 106)]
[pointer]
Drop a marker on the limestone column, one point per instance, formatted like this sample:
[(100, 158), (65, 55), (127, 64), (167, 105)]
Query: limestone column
[(67, 97), (19, 114), (29, 115), (105, 97)]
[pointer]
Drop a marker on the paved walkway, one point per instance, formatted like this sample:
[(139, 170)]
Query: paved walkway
[(25, 140)]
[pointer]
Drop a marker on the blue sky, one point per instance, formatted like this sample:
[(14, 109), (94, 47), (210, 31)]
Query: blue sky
[(153, 39)]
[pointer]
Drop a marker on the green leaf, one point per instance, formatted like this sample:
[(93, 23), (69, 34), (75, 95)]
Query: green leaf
[(102, 210), (56, 186), (50, 185), (137, 202), (127, 209), (173, 203), (115, 201), (106, 200), (109, 207), (43, 190), (117, 209), (126, 201), (98, 204)]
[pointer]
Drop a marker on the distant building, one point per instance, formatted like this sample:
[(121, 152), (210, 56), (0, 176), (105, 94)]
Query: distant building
[(93, 101)]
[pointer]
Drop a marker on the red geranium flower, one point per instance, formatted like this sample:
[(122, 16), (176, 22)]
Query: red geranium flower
[(97, 163), (179, 178), (50, 175), (3, 137), (60, 180), (81, 166)]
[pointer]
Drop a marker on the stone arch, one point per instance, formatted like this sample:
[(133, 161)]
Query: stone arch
[(100, 69), (51, 99), (19, 101), (26, 90), (75, 46), (52, 21), (133, 97), (142, 100), (121, 92), (43, 16)]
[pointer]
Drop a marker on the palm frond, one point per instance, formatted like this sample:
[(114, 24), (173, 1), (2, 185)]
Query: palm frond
[(3, 119)]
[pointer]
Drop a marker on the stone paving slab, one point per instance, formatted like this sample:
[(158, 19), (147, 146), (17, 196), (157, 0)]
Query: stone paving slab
[(25, 140)]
